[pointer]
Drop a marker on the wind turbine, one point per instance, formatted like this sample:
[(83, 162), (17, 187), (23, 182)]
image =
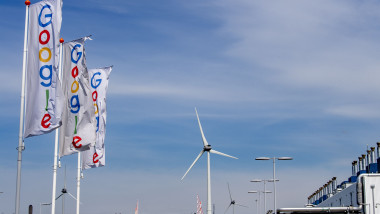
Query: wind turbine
[(63, 192), (206, 148), (232, 203)]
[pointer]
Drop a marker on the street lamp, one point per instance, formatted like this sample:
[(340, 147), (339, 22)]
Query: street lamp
[(258, 206), (265, 191), (274, 174)]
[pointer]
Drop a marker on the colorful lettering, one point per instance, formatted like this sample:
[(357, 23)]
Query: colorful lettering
[(79, 54), (44, 32), (95, 84), (49, 77), (97, 123), (97, 81), (76, 84), (74, 103), (94, 96), (96, 108), (76, 141), (94, 158), (74, 72), (45, 55), (49, 15), (45, 121)]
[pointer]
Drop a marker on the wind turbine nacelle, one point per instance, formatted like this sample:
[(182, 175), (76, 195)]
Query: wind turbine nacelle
[(207, 148)]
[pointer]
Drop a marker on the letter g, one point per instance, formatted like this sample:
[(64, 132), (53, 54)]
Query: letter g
[(96, 83), (49, 15), (79, 54)]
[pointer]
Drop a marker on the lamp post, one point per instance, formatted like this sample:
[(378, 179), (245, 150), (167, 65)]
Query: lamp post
[(274, 174), (265, 191), (257, 206)]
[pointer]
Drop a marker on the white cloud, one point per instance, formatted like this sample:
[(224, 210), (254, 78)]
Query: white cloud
[(309, 53)]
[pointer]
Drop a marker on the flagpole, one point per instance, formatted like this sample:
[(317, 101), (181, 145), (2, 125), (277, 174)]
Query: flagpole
[(21, 147), (56, 139), (78, 183), (54, 173)]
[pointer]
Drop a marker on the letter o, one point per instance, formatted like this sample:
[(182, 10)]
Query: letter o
[(74, 72), (94, 98), (96, 107), (47, 37), (40, 54), (76, 87)]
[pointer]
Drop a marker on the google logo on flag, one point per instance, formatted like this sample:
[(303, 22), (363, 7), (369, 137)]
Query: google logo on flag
[(74, 100), (95, 84), (45, 55)]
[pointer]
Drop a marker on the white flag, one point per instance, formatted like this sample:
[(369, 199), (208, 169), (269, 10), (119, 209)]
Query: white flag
[(79, 124), (95, 157), (43, 90)]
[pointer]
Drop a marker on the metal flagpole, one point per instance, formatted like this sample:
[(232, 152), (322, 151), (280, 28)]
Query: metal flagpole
[(21, 147), (78, 183), (56, 138), (54, 173)]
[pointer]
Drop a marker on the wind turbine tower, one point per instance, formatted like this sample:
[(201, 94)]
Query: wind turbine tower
[(206, 148)]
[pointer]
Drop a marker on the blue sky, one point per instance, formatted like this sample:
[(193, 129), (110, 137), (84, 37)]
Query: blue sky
[(269, 78)]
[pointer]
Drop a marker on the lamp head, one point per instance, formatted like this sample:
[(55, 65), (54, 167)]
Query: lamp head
[(285, 158), (262, 158)]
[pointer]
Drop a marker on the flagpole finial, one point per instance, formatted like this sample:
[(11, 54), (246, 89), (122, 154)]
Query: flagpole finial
[(27, 2), (61, 40)]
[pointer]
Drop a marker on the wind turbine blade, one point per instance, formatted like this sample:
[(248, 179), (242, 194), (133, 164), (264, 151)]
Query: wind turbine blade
[(59, 196), (241, 205), (219, 153), (229, 191), (196, 159), (205, 143), (227, 208), (71, 195)]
